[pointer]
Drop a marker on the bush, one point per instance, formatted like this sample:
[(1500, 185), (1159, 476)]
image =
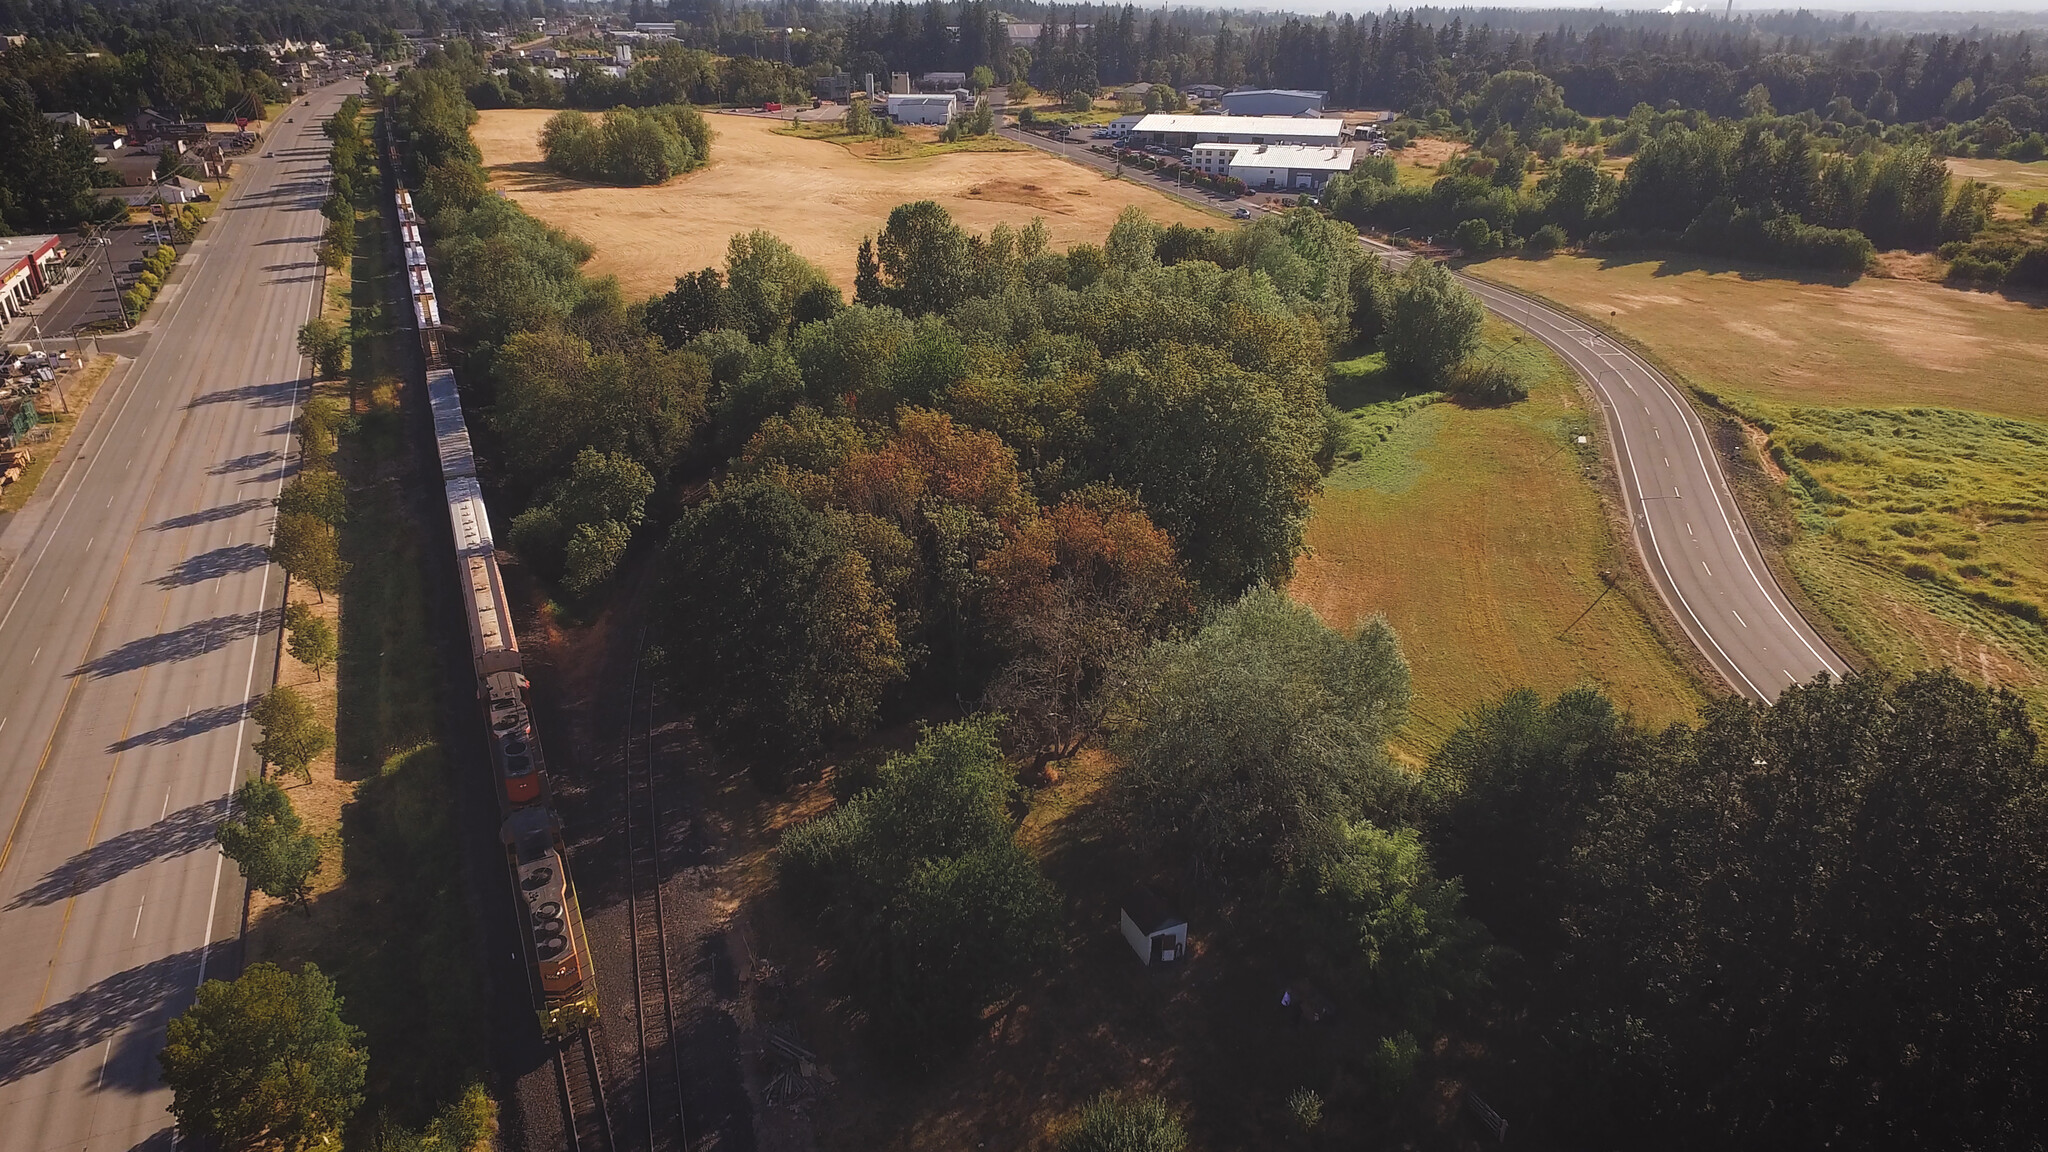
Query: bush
[(1492, 384), (2030, 268), (1548, 238), (1969, 266), (149, 282), (1475, 236), (1115, 1123)]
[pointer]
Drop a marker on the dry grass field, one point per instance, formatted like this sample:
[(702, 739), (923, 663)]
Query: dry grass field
[(815, 195), (1868, 342), (1479, 535)]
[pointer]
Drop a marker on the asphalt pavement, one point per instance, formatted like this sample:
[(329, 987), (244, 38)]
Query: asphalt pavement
[(1685, 522), (138, 616)]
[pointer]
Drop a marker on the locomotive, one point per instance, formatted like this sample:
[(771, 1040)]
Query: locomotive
[(555, 948)]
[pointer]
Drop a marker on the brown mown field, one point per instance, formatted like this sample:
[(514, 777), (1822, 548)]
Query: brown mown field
[(1865, 343), (816, 195)]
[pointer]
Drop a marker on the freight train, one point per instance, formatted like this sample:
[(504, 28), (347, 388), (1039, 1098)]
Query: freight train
[(556, 951)]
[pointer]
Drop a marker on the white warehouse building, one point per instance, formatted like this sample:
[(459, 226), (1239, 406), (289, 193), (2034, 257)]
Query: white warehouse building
[(1276, 167), (935, 109), (1176, 131)]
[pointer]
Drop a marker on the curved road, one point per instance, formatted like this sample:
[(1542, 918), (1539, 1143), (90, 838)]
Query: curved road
[(1688, 528), (137, 620)]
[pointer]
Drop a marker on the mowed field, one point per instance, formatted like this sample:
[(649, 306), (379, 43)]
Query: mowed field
[(1918, 416), (815, 195), (1481, 537), (2025, 184), (1870, 342)]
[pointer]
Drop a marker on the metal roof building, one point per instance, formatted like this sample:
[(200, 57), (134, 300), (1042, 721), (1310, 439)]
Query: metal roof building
[(1187, 131), (1272, 102)]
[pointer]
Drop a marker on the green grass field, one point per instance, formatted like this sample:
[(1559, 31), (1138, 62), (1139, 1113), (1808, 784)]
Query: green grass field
[(1480, 535), (1912, 419)]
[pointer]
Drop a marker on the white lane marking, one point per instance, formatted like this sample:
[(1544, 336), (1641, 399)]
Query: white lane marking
[(131, 459), (89, 542), (138, 916), (1789, 676), (66, 595), (38, 655), (1667, 461), (1659, 434), (3, 723), (1703, 564), (1738, 617), (1689, 531), (1674, 490), (106, 1054), (167, 792)]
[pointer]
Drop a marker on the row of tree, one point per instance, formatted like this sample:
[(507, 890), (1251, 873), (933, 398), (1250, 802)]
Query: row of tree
[(1764, 189)]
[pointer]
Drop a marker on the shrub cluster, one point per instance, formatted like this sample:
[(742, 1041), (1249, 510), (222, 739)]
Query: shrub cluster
[(156, 267), (628, 146)]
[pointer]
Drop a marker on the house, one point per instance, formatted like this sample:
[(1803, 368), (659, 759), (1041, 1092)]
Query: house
[(1179, 131), (1155, 934), (24, 271), (1276, 167), (941, 81), (176, 190), (928, 109), (69, 119), (1135, 93), (1272, 102), (134, 169), (1202, 91)]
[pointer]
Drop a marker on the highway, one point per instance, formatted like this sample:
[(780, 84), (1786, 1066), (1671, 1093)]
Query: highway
[(138, 616), (1688, 529)]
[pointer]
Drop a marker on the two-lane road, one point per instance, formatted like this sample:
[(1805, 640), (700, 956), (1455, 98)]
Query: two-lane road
[(1688, 529), (137, 613)]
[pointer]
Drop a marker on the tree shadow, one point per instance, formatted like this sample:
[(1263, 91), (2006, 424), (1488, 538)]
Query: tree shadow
[(90, 1017), (1679, 263), (536, 176), (197, 724), (183, 831), (194, 639), (208, 515), (212, 565), (242, 463), (278, 394)]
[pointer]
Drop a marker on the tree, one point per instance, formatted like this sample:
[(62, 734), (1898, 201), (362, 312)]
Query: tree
[(307, 548), (265, 838), (1372, 909), (593, 552), (325, 343), (1250, 743), (315, 492), (1787, 919), (923, 257), (790, 641), (1072, 595), (944, 912), (292, 735), (265, 1062), (310, 638), (1223, 459), (1431, 323), (1115, 1123)]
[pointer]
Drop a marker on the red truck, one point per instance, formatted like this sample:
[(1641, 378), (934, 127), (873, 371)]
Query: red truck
[(772, 106)]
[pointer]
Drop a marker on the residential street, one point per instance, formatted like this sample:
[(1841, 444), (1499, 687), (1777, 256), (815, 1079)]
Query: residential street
[(137, 619)]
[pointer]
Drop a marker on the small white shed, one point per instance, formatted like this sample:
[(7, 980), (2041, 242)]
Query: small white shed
[(1155, 934), (938, 109)]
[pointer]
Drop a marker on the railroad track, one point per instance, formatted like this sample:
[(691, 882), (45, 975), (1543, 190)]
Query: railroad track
[(661, 1073), (582, 1080)]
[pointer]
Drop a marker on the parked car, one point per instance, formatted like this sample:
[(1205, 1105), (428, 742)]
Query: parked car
[(1242, 214)]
